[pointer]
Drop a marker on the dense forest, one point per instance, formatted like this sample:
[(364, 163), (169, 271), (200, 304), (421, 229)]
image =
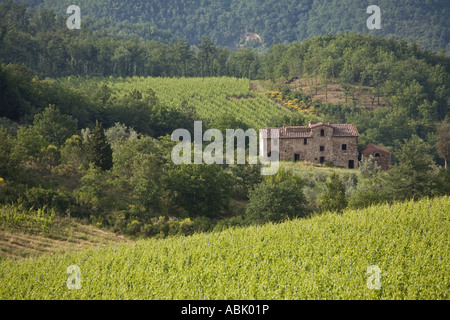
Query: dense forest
[(72, 142), (226, 22)]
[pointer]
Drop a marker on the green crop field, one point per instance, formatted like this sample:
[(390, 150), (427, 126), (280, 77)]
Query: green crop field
[(326, 256), (211, 97)]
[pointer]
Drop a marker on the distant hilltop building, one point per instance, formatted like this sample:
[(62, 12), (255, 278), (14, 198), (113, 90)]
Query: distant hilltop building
[(317, 142), (251, 36), (381, 155)]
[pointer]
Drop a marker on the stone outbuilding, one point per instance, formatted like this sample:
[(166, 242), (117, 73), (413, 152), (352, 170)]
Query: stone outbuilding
[(381, 155), (318, 142)]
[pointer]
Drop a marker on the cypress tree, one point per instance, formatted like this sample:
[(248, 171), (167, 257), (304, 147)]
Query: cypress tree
[(98, 149)]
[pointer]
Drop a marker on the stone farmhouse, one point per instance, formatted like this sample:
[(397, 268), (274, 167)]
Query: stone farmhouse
[(381, 155), (317, 142)]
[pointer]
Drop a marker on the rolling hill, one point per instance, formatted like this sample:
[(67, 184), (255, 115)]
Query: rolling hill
[(327, 256)]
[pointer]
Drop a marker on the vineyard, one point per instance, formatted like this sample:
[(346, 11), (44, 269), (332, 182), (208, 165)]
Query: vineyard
[(26, 233), (324, 257), (211, 97)]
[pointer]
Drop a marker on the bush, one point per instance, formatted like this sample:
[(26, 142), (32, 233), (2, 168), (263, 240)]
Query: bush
[(365, 198), (320, 176), (442, 183), (334, 198), (276, 201), (38, 197), (329, 164), (149, 230), (308, 181), (119, 222), (368, 167), (187, 227), (202, 224), (245, 177), (350, 181), (369, 192), (11, 192), (201, 190), (134, 227), (224, 224)]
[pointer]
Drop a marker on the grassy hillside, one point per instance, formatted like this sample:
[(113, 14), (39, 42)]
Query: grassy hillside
[(326, 257)]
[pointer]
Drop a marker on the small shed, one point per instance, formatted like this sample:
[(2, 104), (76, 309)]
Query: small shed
[(381, 155)]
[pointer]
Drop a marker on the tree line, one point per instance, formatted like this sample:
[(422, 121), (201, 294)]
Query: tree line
[(126, 181), (41, 40), (227, 21), (107, 160)]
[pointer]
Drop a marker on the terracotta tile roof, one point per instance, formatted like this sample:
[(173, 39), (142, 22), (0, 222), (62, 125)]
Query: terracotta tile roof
[(339, 130), (345, 130), (372, 148)]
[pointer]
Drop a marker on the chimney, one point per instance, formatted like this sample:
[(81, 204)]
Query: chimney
[(329, 122)]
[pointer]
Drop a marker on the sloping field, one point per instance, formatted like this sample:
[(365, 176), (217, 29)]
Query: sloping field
[(211, 97), (66, 236), (327, 256)]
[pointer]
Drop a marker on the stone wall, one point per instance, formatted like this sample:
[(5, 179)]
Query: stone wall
[(383, 159), (291, 148)]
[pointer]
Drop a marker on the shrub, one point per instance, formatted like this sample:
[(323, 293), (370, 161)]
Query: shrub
[(334, 198), (134, 227), (224, 224), (202, 224), (276, 201), (39, 197), (320, 176)]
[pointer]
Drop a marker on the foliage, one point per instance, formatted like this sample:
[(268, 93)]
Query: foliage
[(368, 167), (31, 220), (8, 164), (38, 197), (29, 145), (324, 257), (53, 126), (245, 176), (94, 194), (228, 22), (278, 198), (171, 103), (415, 176), (200, 190), (72, 152), (443, 142), (370, 191), (56, 81), (98, 149), (334, 198)]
